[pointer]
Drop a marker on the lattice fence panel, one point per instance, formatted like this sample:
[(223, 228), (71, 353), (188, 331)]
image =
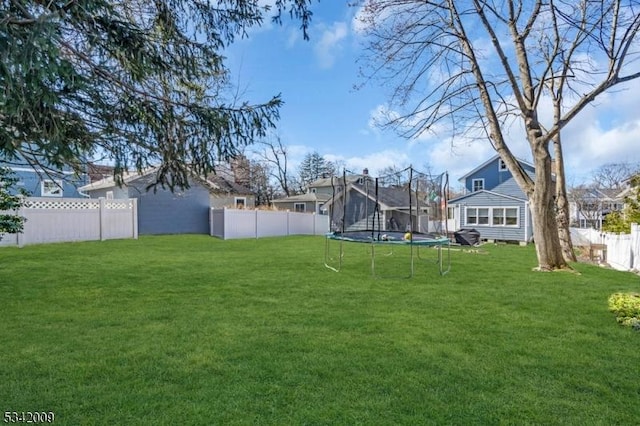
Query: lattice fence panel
[(63, 204)]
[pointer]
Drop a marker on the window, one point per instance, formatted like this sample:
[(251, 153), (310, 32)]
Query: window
[(512, 216), (492, 216), (502, 166), (51, 188), (313, 190), (450, 212), (109, 195), (483, 216), (477, 184), (240, 202), (477, 216), (299, 207), (505, 216), (472, 216)]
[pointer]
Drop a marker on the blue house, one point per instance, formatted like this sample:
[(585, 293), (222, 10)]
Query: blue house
[(493, 203), (50, 183)]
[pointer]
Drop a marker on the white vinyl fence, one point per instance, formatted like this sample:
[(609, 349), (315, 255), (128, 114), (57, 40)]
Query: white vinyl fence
[(623, 250), (233, 223), (74, 219)]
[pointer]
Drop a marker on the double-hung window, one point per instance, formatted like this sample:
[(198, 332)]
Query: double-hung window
[(477, 184), (492, 216), (477, 216), (299, 207), (505, 216)]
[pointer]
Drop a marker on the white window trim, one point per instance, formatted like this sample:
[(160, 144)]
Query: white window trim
[(109, 195), (491, 209), (502, 166), (237, 200), (473, 185), (505, 208), (304, 207), (44, 192)]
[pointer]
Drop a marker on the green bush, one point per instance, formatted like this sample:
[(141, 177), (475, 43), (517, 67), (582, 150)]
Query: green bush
[(626, 307)]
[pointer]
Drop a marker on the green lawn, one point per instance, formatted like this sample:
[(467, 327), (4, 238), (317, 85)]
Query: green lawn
[(194, 330)]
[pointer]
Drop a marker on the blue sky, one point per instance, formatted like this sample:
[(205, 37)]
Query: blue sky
[(323, 111)]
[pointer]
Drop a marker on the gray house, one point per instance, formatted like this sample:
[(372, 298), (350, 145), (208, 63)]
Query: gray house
[(493, 203), (310, 202), (179, 212), (318, 193)]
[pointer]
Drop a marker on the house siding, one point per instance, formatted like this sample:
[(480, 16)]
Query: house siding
[(502, 233), (31, 181), (492, 176), (166, 212), (220, 201), (310, 206), (118, 193)]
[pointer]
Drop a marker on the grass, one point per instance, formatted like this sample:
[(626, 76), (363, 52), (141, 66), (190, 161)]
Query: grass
[(194, 330)]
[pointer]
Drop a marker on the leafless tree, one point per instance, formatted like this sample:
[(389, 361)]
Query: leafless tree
[(613, 175), (476, 68), (272, 152), (588, 204)]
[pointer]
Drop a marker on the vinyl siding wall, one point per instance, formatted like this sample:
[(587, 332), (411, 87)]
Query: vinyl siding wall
[(493, 177), (166, 212), (504, 232), (310, 206), (220, 201), (31, 181)]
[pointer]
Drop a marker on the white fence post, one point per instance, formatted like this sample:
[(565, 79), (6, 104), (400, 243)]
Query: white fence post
[(134, 217), (101, 218), (20, 240), (635, 247)]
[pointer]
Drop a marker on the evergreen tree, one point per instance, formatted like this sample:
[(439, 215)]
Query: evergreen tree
[(141, 83), (10, 203), (313, 167)]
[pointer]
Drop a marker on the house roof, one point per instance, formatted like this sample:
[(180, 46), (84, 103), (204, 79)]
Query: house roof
[(486, 163), (327, 182), (109, 182), (215, 183), (308, 197), (388, 197), (98, 172), (608, 194), (484, 191)]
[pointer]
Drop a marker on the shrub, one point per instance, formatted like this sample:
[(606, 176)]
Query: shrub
[(626, 307)]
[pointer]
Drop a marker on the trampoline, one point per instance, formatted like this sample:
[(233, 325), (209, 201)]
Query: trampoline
[(406, 208)]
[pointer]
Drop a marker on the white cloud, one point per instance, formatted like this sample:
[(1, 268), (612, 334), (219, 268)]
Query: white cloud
[(329, 44)]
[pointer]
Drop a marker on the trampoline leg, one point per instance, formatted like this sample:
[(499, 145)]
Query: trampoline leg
[(373, 264), (440, 260), (327, 257)]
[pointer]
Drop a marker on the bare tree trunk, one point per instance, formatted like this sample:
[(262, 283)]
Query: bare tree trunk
[(562, 204), (545, 226)]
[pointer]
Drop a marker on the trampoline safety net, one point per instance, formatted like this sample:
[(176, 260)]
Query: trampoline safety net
[(405, 201)]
